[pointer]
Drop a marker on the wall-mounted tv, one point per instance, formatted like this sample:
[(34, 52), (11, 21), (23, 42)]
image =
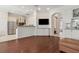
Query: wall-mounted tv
[(43, 21)]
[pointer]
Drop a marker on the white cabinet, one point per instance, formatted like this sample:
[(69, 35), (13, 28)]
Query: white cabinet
[(25, 31)]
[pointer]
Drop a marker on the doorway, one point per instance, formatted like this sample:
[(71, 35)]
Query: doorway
[(56, 23)]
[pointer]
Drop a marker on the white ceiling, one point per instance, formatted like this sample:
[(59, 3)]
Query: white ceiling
[(26, 9)]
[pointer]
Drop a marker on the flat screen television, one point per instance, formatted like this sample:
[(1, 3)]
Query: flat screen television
[(43, 22)]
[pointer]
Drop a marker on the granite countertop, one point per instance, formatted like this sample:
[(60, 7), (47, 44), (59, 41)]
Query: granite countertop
[(27, 26)]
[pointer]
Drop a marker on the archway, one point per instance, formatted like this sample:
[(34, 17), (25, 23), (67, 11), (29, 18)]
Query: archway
[(55, 22)]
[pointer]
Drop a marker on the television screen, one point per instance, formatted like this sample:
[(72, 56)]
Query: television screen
[(43, 21)]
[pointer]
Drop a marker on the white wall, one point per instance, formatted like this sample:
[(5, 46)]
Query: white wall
[(12, 17), (3, 23), (43, 15), (42, 29), (31, 19)]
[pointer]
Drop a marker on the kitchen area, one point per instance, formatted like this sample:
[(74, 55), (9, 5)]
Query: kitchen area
[(8, 30), (16, 26)]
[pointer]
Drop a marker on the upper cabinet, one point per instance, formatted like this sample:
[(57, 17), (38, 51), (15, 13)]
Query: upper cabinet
[(21, 21), (18, 19)]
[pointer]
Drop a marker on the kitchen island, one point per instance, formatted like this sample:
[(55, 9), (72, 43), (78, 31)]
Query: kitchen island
[(25, 31)]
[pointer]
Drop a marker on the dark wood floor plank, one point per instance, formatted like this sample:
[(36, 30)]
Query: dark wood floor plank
[(34, 44)]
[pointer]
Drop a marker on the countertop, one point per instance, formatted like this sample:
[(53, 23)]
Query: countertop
[(26, 26)]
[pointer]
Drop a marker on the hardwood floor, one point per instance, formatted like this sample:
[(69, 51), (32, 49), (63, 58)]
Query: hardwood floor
[(34, 44), (69, 45)]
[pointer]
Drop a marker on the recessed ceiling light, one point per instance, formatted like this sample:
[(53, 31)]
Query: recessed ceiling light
[(39, 9), (27, 14), (31, 9), (48, 8), (23, 7), (27, 10)]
